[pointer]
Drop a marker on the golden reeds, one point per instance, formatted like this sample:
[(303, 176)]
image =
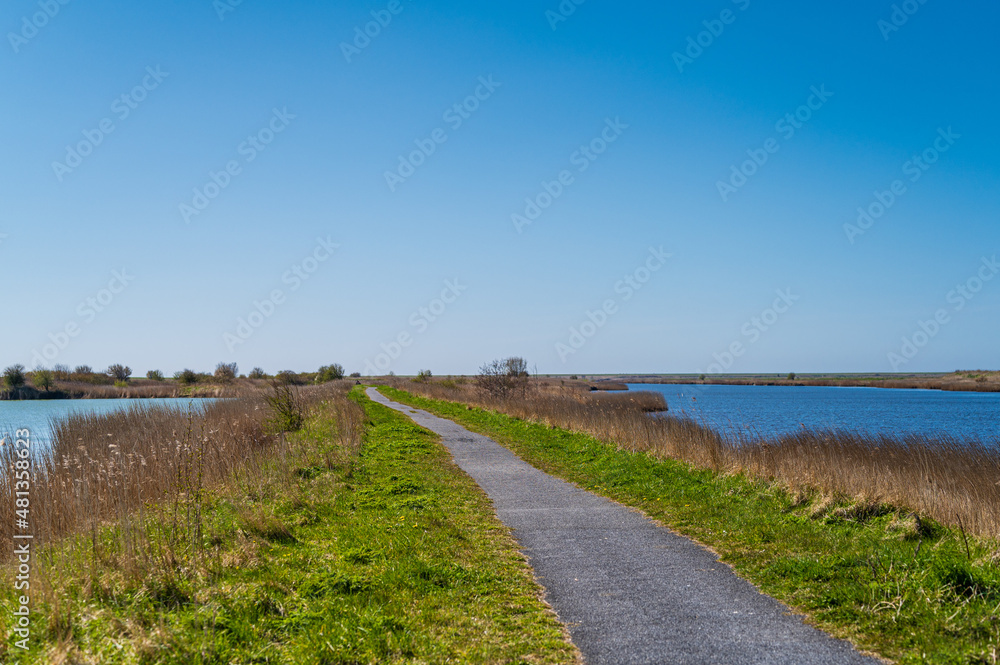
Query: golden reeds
[(103, 469)]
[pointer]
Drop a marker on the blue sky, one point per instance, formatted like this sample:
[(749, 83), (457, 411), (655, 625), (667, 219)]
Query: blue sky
[(224, 83)]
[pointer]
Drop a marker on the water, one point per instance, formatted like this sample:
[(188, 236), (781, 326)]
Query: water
[(774, 410), (39, 415)]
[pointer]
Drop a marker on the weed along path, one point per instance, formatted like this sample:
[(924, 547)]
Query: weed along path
[(630, 591)]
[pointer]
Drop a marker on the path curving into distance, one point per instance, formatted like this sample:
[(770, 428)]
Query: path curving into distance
[(629, 590)]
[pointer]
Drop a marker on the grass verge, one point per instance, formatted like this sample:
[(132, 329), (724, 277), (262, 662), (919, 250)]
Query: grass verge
[(895, 585), (389, 554)]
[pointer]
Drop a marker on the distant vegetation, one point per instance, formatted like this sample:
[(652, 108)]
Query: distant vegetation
[(328, 373), (504, 379), (116, 381), (977, 381), (226, 372)]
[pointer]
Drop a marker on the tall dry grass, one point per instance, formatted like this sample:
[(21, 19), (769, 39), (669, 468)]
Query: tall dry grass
[(952, 481), (107, 469)]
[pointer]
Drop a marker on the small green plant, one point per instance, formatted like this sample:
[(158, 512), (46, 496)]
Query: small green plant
[(791, 376), (328, 373), (43, 378), (121, 384), (186, 377), (154, 375), (13, 377)]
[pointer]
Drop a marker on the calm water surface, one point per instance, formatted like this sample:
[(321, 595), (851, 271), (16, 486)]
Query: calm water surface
[(774, 410), (39, 415)]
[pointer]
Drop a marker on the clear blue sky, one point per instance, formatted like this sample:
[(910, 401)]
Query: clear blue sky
[(610, 68)]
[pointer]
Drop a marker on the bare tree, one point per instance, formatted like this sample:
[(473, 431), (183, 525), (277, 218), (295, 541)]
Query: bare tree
[(119, 373)]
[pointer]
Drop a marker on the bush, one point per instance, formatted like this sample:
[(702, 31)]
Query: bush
[(13, 376), (186, 377), (503, 379), (60, 373), (288, 377), (154, 375), (355, 375), (328, 373), (287, 410), (258, 373), (424, 375), (83, 369), (226, 372), (791, 376), (120, 373), (43, 378)]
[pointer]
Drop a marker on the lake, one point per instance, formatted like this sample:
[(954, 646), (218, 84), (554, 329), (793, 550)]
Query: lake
[(774, 410), (38, 415)]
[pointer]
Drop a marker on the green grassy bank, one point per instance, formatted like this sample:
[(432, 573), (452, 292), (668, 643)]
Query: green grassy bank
[(389, 554), (895, 585)]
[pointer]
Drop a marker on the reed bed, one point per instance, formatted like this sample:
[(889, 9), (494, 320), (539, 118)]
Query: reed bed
[(954, 482), (107, 469)]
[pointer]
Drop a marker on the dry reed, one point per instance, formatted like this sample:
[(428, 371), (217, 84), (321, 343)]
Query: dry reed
[(105, 469)]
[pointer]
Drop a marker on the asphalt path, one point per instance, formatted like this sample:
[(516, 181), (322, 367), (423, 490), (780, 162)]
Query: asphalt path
[(628, 589)]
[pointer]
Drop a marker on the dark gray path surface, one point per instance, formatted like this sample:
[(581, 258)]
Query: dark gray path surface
[(629, 590)]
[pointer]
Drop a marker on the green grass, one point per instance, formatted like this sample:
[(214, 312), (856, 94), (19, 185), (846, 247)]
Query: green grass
[(394, 556), (854, 570)]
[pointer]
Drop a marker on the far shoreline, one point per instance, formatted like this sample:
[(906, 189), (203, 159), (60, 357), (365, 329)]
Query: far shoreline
[(965, 381)]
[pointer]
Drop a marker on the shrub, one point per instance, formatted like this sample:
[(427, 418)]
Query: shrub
[(501, 379), (60, 373), (83, 369), (328, 373), (226, 372), (791, 376), (43, 378), (154, 375), (287, 410), (120, 373), (186, 377), (258, 373), (13, 376), (288, 377), (355, 375)]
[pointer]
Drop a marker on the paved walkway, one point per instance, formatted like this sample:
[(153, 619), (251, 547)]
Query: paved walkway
[(630, 591)]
